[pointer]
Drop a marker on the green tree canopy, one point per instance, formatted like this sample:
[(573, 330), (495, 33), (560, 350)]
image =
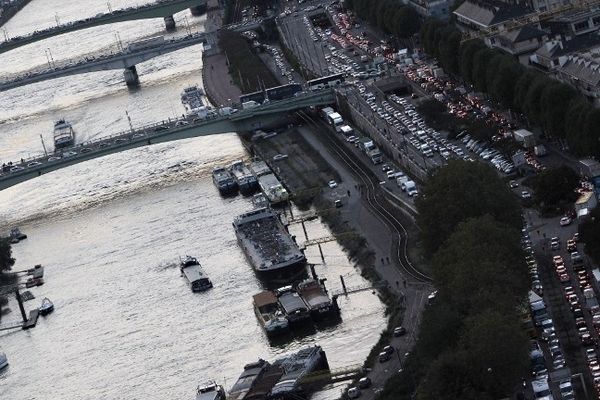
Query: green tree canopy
[(458, 191), (555, 188), (481, 266)]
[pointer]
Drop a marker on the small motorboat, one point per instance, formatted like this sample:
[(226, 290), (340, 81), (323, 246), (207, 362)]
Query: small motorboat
[(3, 361), (210, 391), (47, 306)]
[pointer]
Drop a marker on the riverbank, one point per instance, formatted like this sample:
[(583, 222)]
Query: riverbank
[(12, 10)]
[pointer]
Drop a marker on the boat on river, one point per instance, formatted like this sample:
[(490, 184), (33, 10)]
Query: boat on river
[(16, 235), (246, 181), (195, 276), (293, 306), (47, 306), (267, 244), (315, 296), (224, 181), (64, 135), (3, 361), (210, 391), (269, 313)]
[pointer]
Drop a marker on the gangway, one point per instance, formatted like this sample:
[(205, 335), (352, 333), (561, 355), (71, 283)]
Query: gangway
[(325, 377)]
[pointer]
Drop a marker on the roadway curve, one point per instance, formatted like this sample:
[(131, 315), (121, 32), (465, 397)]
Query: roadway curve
[(373, 195)]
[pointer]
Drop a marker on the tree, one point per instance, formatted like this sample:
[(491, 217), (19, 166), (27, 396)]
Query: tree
[(532, 105), (458, 191), (6, 259), (481, 266), (407, 22), (590, 235), (521, 88), (579, 141), (466, 54), (555, 188), (481, 60), (496, 352), (554, 103)]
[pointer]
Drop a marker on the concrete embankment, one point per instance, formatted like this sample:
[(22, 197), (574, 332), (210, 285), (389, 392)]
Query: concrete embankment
[(10, 11), (218, 85)]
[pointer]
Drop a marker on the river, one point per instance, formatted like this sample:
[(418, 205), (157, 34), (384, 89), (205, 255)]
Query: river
[(110, 231)]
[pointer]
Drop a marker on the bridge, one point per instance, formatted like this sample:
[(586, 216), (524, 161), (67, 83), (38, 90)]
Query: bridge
[(127, 58), (264, 116), (162, 8)]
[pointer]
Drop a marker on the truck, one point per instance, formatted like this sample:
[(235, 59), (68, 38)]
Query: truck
[(249, 104), (540, 150), (410, 187), (326, 111), (538, 308), (346, 131), (335, 120), (375, 156), (366, 144)]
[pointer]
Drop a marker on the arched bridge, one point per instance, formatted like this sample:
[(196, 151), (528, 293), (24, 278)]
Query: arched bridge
[(161, 9), (244, 120)]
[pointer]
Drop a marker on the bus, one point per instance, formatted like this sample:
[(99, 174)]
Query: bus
[(283, 92), (325, 82), (258, 97)]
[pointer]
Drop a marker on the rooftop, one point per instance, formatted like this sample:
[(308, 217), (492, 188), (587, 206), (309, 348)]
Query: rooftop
[(490, 12), (583, 68), (557, 48)]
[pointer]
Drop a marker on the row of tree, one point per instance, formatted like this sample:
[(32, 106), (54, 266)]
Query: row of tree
[(391, 16), (471, 344), (559, 109)]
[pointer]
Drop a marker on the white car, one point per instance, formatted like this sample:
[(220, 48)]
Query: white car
[(279, 157), (354, 393), (332, 184), (564, 221)]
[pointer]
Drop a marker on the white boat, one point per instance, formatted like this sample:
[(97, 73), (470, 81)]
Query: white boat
[(64, 135), (197, 279), (3, 361)]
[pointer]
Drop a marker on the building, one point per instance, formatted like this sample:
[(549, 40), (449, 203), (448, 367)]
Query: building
[(473, 16), (431, 8), (574, 22), (555, 52), (520, 42), (545, 5), (582, 71)]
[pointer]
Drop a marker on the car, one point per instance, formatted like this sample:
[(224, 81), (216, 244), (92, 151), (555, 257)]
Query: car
[(571, 245), (389, 350), (86, 150), (69, 154), (384, 357), (525, 194), (16, 168), (278, 157), (138, 135), (564, 221), (399, 331), (332, 184), (34, 164), (354, 393), (364, 383), (54, 158), (513, 184), (576, 237)]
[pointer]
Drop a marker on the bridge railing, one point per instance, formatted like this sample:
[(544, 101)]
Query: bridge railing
[(149, 131)]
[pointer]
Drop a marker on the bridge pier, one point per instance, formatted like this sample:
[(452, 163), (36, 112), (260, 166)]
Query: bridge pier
[(169, 23), (131, 76), (198, 10)]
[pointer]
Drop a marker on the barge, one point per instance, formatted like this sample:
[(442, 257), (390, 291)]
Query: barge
[(224, 181), (246, 181), (293, 306), (281, 379), (315, 296), (192, 271), (271, 250), (269, 184), (192, 98), (269, 313)]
